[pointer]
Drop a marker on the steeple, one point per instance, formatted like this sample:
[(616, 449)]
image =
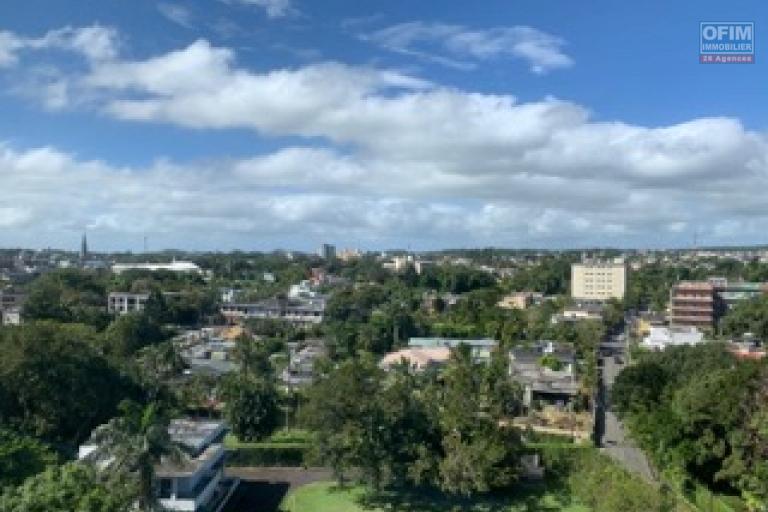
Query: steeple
[(84, 248)]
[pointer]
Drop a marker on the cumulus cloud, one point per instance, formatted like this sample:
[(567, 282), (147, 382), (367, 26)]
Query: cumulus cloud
[(461, 47), (393, 157)]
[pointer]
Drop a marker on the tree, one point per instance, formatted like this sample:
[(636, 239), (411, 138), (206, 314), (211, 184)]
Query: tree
[(343, 410), (71, 487), (155, 366), (639, 387), (252, 357), (22, 457), (251, 406), (54, 385), (127, 334), (68, 295), (131, 445)]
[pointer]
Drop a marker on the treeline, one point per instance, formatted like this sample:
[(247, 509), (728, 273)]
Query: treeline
[(701, 414), (79, 296)]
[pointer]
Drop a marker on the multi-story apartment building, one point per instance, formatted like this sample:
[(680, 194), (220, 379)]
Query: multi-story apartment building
[(702, 303), (692, 304), (598, 280)]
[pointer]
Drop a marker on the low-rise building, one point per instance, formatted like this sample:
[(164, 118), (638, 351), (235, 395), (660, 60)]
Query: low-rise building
[(10, 316), (579, 312), (301, 365), (520, 300), (298, 310), (481, 349), (417, 358), (174, 266), (659, 338), (547, 372), (122, 303), (195, 483)]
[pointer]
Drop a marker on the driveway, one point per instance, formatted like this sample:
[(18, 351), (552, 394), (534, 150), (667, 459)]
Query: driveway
[(263, 489)]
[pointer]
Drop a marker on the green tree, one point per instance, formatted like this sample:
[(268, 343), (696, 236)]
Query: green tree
[(54, 385), (22, 457), (131, 445), (251, 406), (68, 488)]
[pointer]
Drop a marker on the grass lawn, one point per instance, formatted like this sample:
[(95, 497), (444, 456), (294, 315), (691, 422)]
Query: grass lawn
[(326, 497)]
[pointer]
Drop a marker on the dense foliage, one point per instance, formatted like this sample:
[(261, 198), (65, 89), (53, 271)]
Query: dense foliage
[(700, 412), (67, 488), (403, 429)]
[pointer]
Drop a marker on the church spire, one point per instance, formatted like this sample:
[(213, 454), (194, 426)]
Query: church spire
[(84, 248)]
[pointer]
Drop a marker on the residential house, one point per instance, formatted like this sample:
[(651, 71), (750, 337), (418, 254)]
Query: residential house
[(301, 366), (556, 383)]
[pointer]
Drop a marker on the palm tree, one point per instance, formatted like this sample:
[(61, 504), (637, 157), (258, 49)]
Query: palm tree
[(130, 446)]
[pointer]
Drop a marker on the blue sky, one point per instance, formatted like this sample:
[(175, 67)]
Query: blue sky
[(255, 124)]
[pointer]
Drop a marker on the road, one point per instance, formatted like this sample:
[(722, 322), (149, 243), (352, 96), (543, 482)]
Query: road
[(612, 437)]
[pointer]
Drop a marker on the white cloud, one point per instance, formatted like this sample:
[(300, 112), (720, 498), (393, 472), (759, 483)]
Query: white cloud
[(273, 8), (176, 13), (394, 157), (9, 46), (96, 43), (460, 47)]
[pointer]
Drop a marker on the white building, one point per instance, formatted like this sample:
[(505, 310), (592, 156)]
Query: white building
[(122, 303), (598, 280), (660, 338), (193, 484), (174, 266), (303, 289), (11, 316)]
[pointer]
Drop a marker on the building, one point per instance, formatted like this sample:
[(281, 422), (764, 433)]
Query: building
[(196, 482), (418, 359), (520, 300), (481, 348), (702, 303), (122, 303), (579, 312), (641, 324), (10, 316), (659, 338), (747, 349), (347, 255), (297, 310), (598, 280), (541, 383), (692, 304), (174, 266), (301, 366), (327, 252)]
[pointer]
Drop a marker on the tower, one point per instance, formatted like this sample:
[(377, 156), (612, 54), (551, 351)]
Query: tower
[(84, 249)]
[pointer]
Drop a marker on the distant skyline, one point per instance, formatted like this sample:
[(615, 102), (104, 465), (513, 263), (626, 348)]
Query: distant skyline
[(263, 124)]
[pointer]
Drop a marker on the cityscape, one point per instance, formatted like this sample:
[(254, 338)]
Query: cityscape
[(293, 256)]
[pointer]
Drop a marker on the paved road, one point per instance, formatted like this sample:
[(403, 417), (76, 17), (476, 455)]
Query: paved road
[(613, 439)]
